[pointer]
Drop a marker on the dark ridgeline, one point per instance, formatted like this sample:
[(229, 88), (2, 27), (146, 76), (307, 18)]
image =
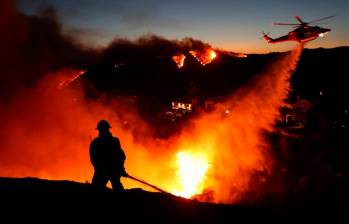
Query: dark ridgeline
[(67, 200), (32, 199)]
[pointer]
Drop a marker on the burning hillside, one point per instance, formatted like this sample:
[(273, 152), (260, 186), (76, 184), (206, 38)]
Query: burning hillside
[(217, 154), (205, 56), (179, 60), (51, 126), (221, 152)]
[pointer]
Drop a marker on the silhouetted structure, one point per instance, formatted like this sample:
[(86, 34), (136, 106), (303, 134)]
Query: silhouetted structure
[(296, 115), (107, 158)]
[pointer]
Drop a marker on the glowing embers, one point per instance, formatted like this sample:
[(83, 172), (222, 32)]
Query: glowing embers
[(71, 77), (179, 60), (205, 56), (191, 173)]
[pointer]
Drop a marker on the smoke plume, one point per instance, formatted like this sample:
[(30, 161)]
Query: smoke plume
[(33, 46)]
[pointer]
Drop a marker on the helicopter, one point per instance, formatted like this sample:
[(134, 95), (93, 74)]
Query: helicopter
[(302, 32)]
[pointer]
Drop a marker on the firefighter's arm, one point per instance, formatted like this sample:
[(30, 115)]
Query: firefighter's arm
[(122, 159), (92, 154), (124, 173)]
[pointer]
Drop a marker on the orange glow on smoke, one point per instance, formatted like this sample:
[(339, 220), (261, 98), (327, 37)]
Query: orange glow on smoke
[(204, 57), (234, 54), (218, 152), (191, 173), (179, 60)]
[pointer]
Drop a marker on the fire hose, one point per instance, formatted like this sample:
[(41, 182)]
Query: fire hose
[(142, 181), (146, 183)]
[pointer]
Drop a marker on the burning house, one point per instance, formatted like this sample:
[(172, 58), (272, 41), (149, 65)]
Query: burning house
[(295, 116), (179, 109)]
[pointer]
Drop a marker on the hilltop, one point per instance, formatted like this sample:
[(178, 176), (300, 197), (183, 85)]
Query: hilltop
[(63, 198)]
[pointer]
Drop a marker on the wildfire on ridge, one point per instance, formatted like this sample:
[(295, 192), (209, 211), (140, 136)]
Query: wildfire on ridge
[(241, 55), (235, 55), (204, 57), (191, 173), (75, 75), (179, 60)]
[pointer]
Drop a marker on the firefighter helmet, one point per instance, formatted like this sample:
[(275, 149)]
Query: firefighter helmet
[(103, 124)]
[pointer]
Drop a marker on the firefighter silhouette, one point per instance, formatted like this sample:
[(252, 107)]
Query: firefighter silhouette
[(107, 158)]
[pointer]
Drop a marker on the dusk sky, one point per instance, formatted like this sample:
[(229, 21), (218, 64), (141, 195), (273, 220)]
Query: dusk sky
[(234, 25)]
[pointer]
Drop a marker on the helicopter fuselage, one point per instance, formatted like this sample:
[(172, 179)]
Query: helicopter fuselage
[(307, 33), (302, 32)]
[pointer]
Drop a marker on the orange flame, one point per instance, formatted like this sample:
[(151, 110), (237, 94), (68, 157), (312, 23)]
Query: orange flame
[(204, 57), (191, 173), (179, 60)]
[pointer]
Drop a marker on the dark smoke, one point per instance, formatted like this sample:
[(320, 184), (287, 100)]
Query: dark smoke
[(149, 46), (32, 46)]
